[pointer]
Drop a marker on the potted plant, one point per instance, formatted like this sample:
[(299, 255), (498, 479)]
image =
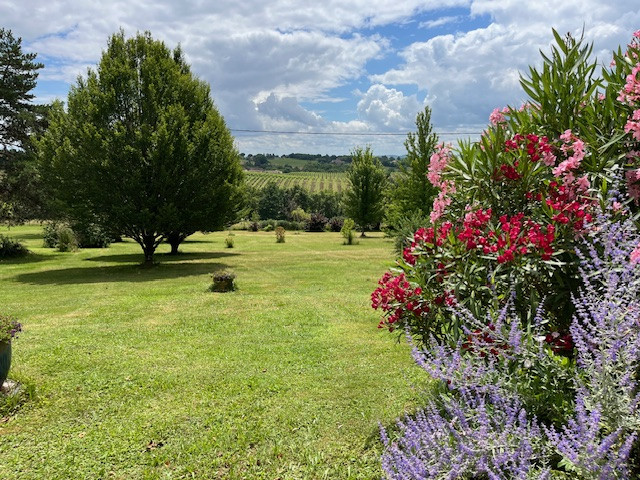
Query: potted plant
[(9, 328)]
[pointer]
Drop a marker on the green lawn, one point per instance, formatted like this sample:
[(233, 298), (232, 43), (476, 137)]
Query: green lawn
[(143, 373)]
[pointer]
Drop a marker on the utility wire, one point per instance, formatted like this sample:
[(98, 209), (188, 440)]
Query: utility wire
[(370, 134)]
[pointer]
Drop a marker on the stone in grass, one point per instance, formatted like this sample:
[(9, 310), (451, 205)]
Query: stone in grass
[(224, 281), (10, 388)]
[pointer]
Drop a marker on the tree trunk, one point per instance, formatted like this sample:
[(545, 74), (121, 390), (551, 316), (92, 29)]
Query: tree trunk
[(148, 247), (175, 239), (362, 234)]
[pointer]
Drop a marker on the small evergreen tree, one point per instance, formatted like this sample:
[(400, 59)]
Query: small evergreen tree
[(412, 194), (367, 178)]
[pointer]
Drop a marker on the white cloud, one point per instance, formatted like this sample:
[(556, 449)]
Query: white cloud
[(288, 109), (388, 109), (439, 22)]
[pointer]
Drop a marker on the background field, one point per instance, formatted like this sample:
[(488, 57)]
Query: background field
[(312, 181), (143, 373)]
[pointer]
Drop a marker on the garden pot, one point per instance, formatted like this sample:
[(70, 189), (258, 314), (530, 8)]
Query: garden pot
[(5, 361)]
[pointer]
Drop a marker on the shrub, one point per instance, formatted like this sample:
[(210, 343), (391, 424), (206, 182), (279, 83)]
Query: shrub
[(280, 235), (404, 228), (299, 215), (67, 241), (316, 223), (10, 248), (335, 223), (253, 226), (511, 207), (228, 241), (348, 232), (91, 235), (497, 417), (223, 281), (287, 225), (50, 234)]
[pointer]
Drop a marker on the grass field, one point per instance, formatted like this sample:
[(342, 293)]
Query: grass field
[(312, 181), (144, 374)]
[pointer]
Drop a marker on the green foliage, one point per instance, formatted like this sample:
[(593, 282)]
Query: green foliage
[(9, 328), (10, 248), (280, 232), (316, 223), (224, 281), (348, 231), (299, 215), (363, 201), (21, 197), (404, 228), (142, 147), (228, 241), (67, 241), (411, 193)]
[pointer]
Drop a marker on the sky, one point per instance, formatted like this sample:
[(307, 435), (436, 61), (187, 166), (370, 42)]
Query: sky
[(332, 69)]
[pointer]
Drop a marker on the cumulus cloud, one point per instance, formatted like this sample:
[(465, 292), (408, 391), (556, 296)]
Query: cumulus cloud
[(388, 109), (468, 74), (288, 109)]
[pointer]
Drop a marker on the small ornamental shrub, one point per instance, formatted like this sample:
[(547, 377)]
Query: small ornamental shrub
[(223, 281), (269, 227), (348, 232), (67, 241), (335, 223), (299, 215), (228, 241), (253, 226), (316, 223), (280, 234), (10, 248), (9, 328)]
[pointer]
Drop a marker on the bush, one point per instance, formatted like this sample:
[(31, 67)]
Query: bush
[(299, 215), (223, 281), (316, 223), (67, 241), (228, 241), (10, 248), (90, 235), (280, 234), (513, 406), (287, 225), (253, 226), (348, 232), (335, 223), (50, 234)]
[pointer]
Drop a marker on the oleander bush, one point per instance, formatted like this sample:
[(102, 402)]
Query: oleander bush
[(520, 295)]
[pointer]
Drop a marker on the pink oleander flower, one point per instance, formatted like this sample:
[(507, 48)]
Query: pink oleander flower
[(583, 183), (497, 116), (437, 164), (635, 255)]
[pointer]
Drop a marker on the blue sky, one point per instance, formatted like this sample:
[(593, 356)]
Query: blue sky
[(337, 66)]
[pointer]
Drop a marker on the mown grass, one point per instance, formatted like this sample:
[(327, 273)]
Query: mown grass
[(143, 373)]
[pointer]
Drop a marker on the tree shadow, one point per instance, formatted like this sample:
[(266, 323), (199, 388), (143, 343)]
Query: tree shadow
[(160, 257), (28, 258), (119, 273)]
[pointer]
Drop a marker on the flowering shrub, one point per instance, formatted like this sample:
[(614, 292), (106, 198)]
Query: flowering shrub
[(512, 206), (9, 328), (492, 422)]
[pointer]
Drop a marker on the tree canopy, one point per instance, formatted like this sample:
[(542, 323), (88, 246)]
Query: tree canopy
[(363, 201), (141, 148), (20, 120)]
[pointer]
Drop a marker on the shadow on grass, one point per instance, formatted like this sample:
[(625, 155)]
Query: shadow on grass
[(119, 273), (160, 257), (28, 258)]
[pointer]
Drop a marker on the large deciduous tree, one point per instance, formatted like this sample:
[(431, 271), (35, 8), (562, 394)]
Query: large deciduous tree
[(141, 147), (20, 121), (364, 200)]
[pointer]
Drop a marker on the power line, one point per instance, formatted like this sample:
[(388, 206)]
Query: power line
[(358, 134)]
